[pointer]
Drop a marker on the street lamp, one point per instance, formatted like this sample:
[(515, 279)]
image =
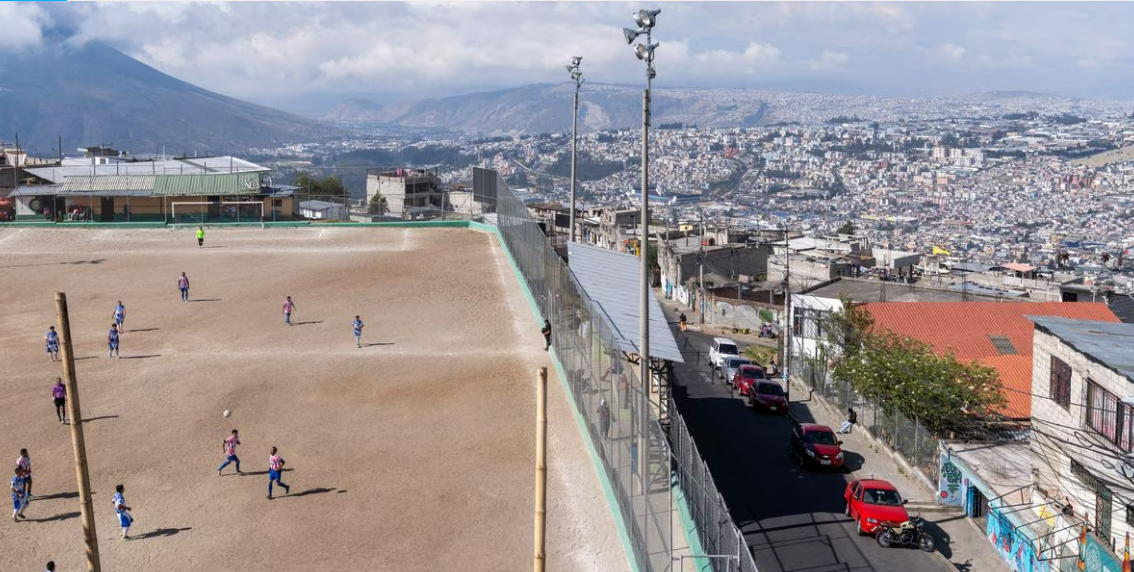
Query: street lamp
[(576, 75), (646, 20)]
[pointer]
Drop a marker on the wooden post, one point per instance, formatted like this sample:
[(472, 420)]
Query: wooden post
[(74, 412), (541, 470)]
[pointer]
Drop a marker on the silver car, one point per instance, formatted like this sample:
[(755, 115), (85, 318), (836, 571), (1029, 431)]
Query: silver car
[(730, 365)]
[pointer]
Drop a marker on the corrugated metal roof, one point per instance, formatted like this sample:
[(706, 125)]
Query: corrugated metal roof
[(611, 279), (215, 184), (966, 329), (167, 167), (35, 190), (100, 183), (1111, 344)]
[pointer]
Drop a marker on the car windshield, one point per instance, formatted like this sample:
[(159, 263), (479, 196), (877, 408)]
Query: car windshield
[(877, 496), (820, 438), (752, 373), (769, 389), (727, 349), (737, 362)]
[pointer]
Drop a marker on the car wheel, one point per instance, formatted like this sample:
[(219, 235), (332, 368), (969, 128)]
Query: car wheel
[(858, 525), (846, 510)]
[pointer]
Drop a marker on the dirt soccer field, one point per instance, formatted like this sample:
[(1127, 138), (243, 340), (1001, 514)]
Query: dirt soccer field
[(412, 453)]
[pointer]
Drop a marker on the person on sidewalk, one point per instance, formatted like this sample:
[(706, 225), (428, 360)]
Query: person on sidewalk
[(546, 331), (684, 321), (852, 419), (604, 418)]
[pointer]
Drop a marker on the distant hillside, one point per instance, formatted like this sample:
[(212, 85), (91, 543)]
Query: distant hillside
[(96, 94)]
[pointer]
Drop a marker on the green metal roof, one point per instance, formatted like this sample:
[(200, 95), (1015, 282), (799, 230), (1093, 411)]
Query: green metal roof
[(213, 184)]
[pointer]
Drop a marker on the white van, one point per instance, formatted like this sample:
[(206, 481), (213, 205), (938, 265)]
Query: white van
[(722, 348)]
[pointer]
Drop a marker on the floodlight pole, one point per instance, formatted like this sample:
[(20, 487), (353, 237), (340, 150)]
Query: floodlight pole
[(578, 77), (78, 443), (643, 249)]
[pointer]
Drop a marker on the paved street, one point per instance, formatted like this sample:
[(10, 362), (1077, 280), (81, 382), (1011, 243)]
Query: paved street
[(791, 517)]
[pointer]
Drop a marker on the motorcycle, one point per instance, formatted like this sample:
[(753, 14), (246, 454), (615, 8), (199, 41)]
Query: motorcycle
[(908, 533)]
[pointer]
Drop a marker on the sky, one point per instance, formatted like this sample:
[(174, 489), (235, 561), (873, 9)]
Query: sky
[(433, 49)]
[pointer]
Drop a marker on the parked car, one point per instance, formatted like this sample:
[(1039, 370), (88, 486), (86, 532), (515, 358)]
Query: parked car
[(816, 445), (871, 502), (720, 349), (729, 366), (768, 395), (745, 376)]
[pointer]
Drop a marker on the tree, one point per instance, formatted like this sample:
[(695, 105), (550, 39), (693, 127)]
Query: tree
[(847, 228), (943, 393)]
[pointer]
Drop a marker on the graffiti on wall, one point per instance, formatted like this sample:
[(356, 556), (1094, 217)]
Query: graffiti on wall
[(949, 484), (1011, 544)]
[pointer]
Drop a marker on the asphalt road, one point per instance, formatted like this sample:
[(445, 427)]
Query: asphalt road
[(792, 518)]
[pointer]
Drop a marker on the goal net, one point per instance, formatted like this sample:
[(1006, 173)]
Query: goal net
[(216, 212)]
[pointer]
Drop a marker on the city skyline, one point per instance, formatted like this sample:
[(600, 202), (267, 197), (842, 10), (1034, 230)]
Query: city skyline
[(432, 49)]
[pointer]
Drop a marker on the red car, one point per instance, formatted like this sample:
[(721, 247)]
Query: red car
[(871, 502), (816, 445), (746, 376), (767, 395)]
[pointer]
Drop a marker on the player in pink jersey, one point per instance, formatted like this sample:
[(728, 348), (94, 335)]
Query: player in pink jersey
[(275, 469), (59, 397), (288, 307), (229, 446)]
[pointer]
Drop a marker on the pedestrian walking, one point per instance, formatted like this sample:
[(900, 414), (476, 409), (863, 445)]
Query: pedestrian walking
[(52, 340), (683, 321), (125, 519), (112, 341), (23, 464), (357, 325), (275, 469), (183, 285), (120, 316), (59, 397), (852, 418), (200, 237), (546, 331), (604, 418), (229, 446), (19, 501), (288, 307)]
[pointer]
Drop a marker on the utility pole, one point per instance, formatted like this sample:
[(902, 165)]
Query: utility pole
[(77, 442), (576, 75), (540, 555), (701, 261), (788, 337)]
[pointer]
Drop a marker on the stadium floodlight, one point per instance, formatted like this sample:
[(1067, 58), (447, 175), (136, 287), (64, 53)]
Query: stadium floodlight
[(577, 77), (645, 52), (631, 34), (646, 18)]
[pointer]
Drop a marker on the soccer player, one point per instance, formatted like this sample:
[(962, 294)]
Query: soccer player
[(123, 511), (112, 341), (52, 339), (200, 237), (120, 315), (275, 469), (59, 396), (23, 465), (183, 285), (19, 503), (288, 306), (357, 324), (229, 446)]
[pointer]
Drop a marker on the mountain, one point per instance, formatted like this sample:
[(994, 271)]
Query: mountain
[(547, 108), (95, 95)]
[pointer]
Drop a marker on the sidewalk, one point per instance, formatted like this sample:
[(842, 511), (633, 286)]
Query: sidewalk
[(959, 540)]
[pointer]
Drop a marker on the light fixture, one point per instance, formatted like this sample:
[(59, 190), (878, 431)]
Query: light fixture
[(645, 52), (646, 18), (631, 34)]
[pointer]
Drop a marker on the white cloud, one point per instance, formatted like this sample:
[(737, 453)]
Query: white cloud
[(951, 51), (829, 60), (20, 24)]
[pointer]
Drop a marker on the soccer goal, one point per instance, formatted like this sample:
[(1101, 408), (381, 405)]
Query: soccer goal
[(217, 212)]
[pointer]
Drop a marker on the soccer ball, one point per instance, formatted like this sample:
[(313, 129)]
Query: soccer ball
[(227, 413)]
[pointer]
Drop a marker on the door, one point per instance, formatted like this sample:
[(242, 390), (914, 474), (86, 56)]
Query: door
[(1103, 505), (107, 214)]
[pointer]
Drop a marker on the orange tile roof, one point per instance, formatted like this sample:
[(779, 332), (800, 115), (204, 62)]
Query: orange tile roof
[(965, 327)]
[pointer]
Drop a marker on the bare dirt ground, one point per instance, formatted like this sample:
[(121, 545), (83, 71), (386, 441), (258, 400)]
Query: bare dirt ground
[(413, 453)]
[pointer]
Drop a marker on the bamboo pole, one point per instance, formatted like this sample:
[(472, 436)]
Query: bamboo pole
[(74, 412), (541, 470)]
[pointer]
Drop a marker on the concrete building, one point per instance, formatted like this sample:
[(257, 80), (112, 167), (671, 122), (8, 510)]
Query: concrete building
[(407, 193)]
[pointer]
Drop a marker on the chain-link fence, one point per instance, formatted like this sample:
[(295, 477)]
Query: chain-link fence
[(605, 386), (718, 533), (913, 441)]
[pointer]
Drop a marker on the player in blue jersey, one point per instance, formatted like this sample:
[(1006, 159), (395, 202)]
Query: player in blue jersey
[(357, 325), (112, 341), (52, 339), (19, 501), (124, 517), (120, 316)]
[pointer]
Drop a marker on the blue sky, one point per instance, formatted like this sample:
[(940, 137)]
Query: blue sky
[(245, 49)]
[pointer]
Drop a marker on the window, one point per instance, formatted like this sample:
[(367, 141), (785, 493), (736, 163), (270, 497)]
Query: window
[(277, 202), (1130, 515), (1060, 382), (1103, 508), (1110, 417)]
